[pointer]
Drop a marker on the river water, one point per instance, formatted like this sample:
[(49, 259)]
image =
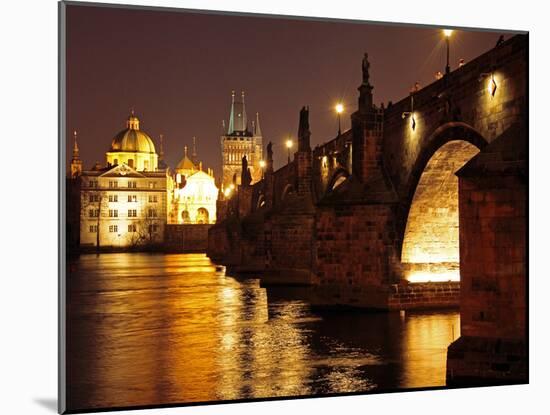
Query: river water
[(150, 329)]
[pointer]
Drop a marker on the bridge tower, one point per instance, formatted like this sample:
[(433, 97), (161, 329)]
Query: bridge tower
[(237, 141)]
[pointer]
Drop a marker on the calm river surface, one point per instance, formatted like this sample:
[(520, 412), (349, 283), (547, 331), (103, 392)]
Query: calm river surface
[(149, 329)]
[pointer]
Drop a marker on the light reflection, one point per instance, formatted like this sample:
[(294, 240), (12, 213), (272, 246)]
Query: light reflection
[(159, 329), (426, 338)]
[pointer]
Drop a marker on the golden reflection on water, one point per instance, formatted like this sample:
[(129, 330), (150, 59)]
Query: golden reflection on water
[(155, 329), (425, 341)]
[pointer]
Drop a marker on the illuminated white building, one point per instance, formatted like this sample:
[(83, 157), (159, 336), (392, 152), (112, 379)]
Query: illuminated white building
[(195, 193), (124, 204)]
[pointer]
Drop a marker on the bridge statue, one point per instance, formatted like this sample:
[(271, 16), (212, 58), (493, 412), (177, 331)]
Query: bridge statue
[(246, 177), (269, 164), (303, 130), (366, 67), (269, 152)]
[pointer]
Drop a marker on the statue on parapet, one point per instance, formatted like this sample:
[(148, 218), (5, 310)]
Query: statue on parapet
[(246, 177), (366, 67), (303, 130)]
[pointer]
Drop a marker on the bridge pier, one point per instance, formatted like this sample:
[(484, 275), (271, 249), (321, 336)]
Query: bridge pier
[(493, 264)]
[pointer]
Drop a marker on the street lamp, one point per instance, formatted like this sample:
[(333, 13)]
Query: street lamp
[(262, 166), (289, 144), (339, 110), (447, 33)]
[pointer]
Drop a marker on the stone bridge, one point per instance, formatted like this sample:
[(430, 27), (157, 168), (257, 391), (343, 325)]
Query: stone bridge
[(373, 218)]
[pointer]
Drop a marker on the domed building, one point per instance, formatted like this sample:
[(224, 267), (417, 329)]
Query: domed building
[(125, 203), (133, 147)]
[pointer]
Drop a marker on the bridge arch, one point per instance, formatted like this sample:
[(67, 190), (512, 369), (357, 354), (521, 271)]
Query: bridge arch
[(288, 190), (261, 201), (339, 177), (430, 244)]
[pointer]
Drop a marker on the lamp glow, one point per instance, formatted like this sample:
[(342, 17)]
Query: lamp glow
[(339, 108), (492, 86), (289, 143), (447, 32), (262, 164)]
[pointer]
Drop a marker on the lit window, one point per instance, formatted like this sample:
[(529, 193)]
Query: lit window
[(113, 184), (131, 184), (152, 213), (113, 213), (113, 228), (93, 213), (153, 198), (132, 198), (93, 228), (132, 213), (113, 198), (132, 228)]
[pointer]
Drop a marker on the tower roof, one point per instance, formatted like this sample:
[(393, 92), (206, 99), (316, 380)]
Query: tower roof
[(186, 163), (238, 122), (257, 129), (132, 139)]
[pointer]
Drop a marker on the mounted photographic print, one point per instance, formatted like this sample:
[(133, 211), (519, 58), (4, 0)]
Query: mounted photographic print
[(258, 207)]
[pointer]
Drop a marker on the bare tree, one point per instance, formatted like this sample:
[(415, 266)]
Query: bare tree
[(94, 199)]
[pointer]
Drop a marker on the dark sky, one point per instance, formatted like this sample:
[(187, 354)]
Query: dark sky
[(177, 71)]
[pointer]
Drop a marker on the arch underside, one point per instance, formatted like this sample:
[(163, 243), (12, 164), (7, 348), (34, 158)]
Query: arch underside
[(430, 249)]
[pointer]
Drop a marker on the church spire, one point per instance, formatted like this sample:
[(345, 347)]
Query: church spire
[(161, 152), (244, 120), (238, 122), (257, 129), (194, 154), (232, 114), (76, 163), (76, 152)]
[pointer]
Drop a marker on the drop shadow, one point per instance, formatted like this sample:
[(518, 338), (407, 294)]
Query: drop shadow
[(48, 403)]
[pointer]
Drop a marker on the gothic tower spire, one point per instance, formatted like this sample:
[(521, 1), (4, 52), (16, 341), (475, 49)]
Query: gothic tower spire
[(244, 120), (232, 114), (76, 163), (258, 130), (194, 154)]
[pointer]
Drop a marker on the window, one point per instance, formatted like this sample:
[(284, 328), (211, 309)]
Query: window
[(132, 228), (92, 183), (94, 197), (113, 228), (131, 163), (113, 198), (132, 213), (93, 228), (113, 213), (113, 184), (153, 228), (132, 198), (93, 213), (152, 213), (153, 198), (145, 164), (115, 162), (131, 184)]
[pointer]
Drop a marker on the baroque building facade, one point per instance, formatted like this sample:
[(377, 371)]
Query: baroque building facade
[(135, 196), (238, 141)]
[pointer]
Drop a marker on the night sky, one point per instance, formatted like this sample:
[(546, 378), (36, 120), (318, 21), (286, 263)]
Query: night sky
[(177, 70)]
